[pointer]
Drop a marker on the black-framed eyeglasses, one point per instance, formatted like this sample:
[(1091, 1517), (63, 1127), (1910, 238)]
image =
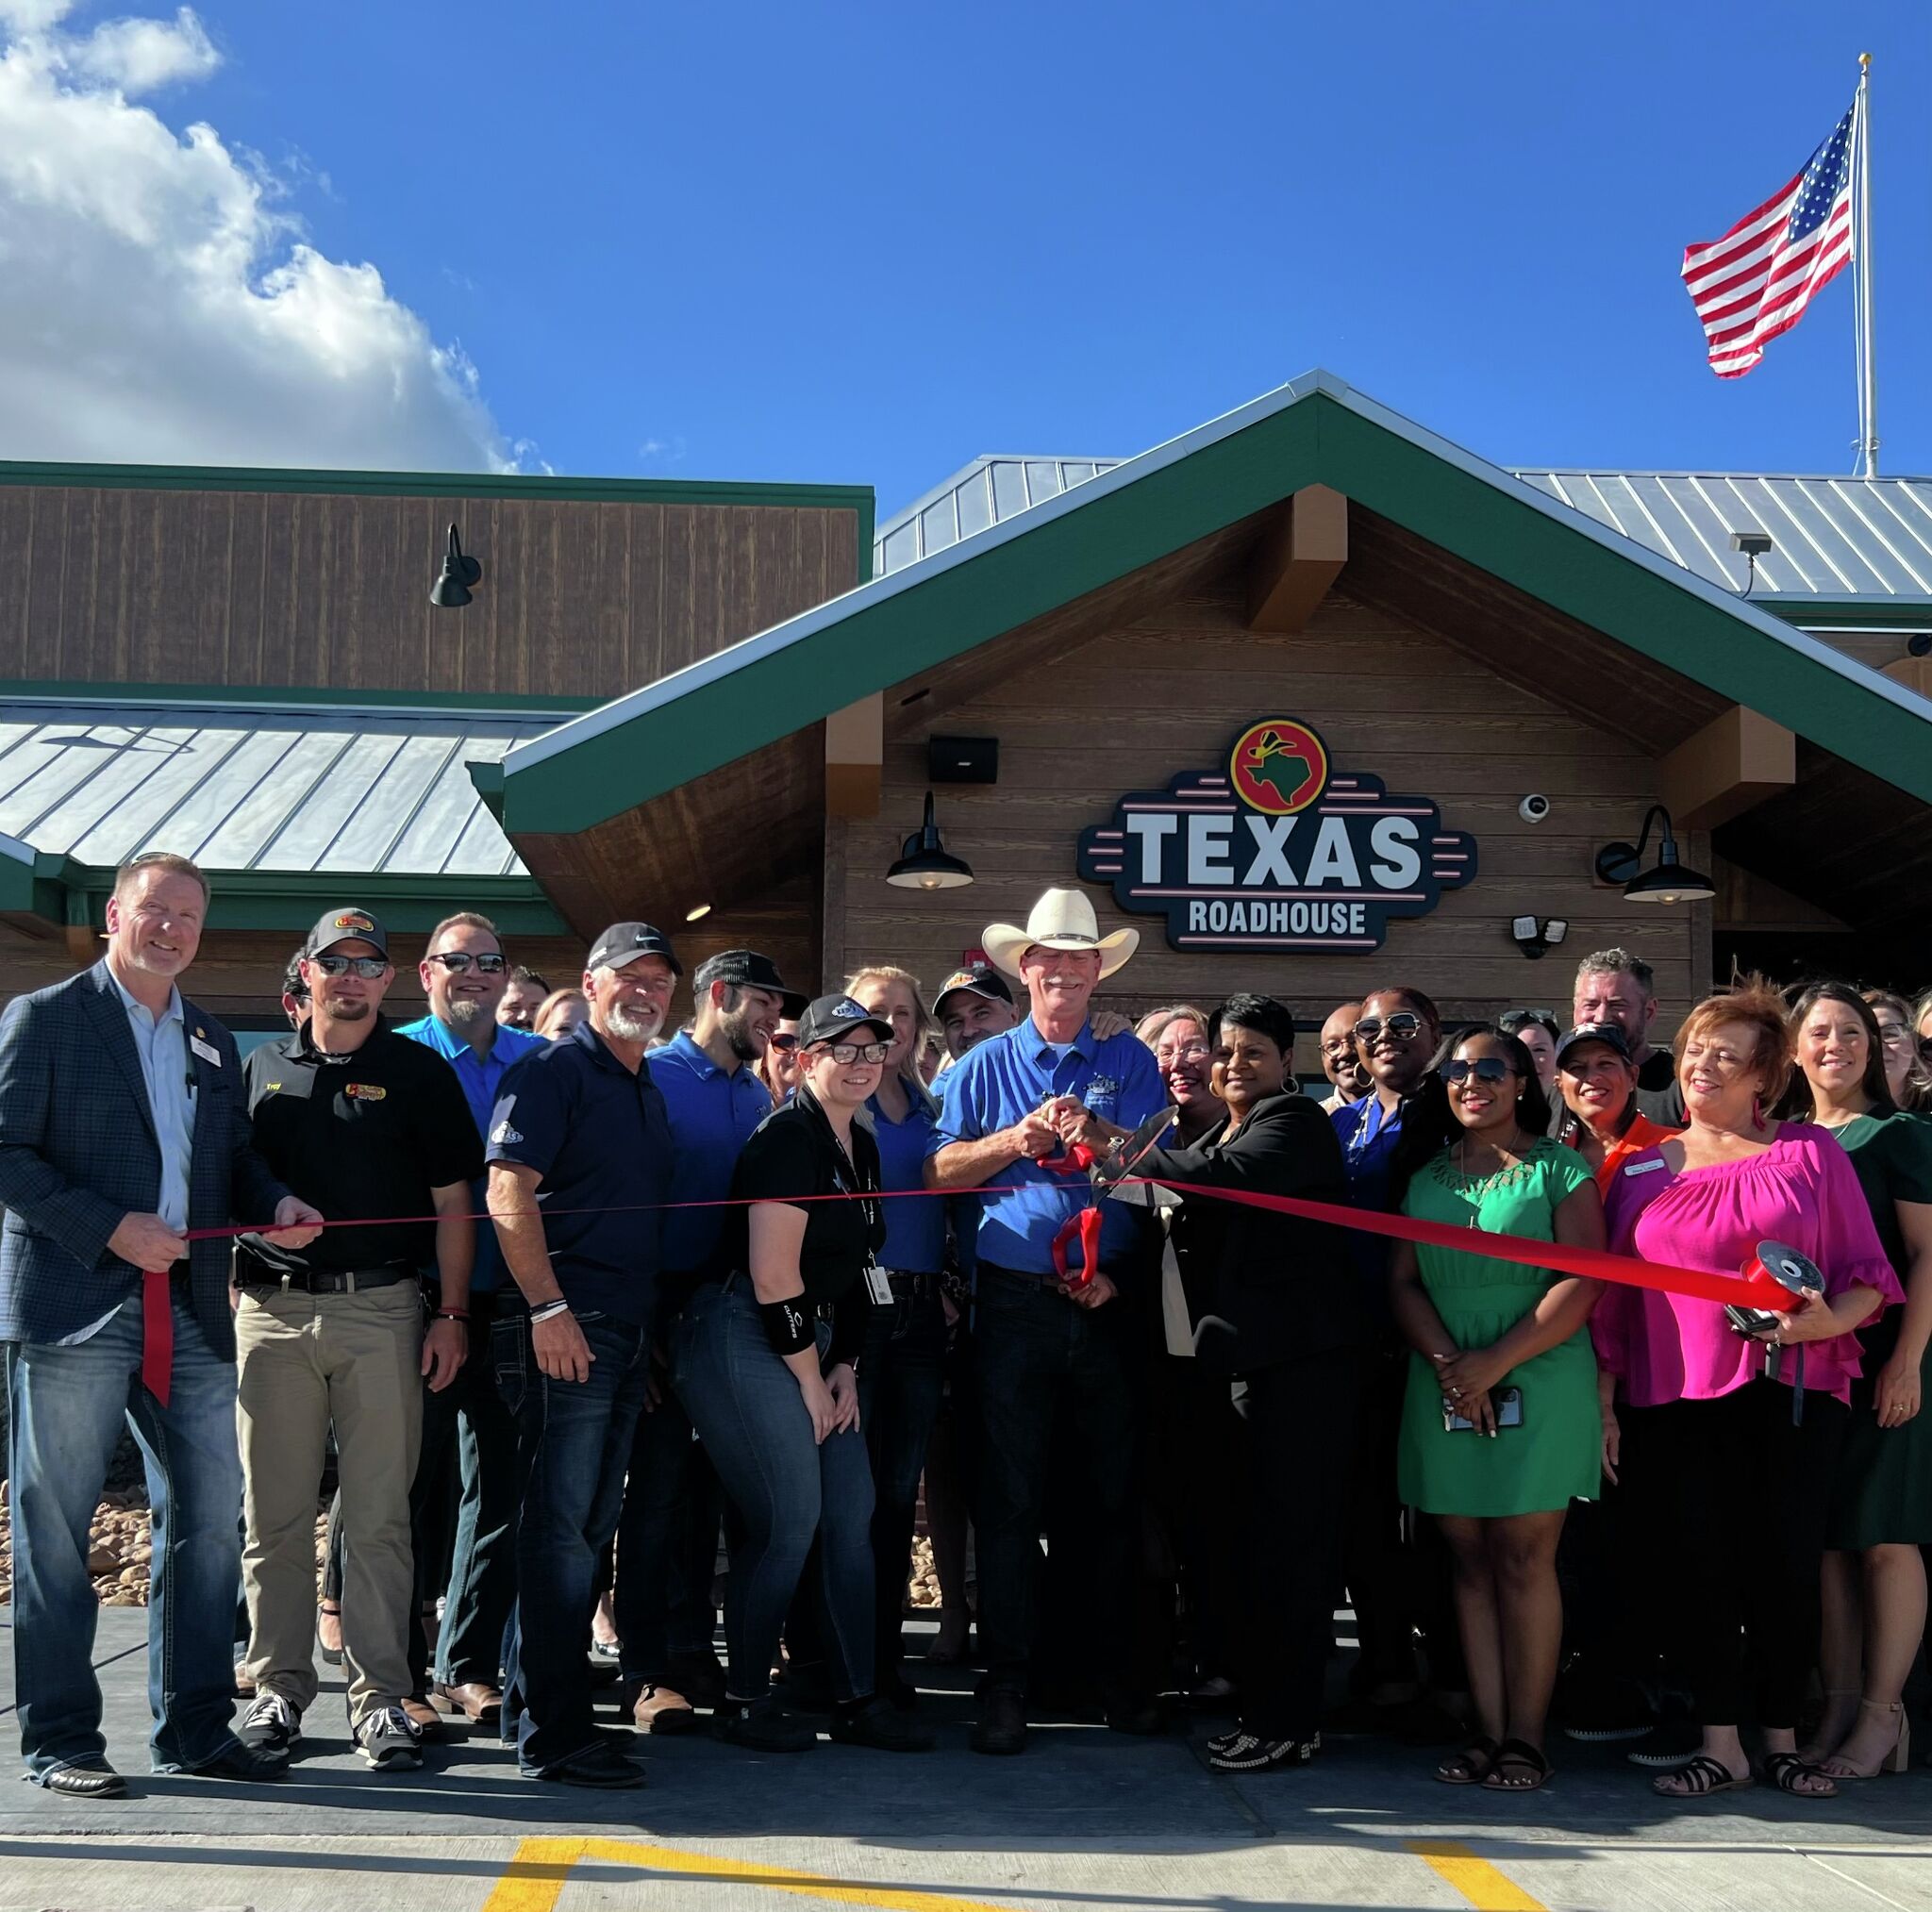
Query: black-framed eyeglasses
[(1404, 1026), (848, 1053), (456, 961), (368, 967), (1489, 1069)]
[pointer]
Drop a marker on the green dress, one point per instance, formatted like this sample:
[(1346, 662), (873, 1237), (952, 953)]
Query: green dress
[(1883, 1487), (1556, 1455)]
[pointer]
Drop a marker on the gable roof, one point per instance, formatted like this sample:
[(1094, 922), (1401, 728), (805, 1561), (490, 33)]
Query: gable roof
[(1314, 430)]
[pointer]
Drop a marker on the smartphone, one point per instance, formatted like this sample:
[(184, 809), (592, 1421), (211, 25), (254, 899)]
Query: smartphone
[(1508, 1406)]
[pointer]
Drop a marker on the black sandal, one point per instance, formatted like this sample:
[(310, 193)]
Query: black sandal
[(1478, 1761), (1785, 1769), (1517, 1752), (1702, 1776)]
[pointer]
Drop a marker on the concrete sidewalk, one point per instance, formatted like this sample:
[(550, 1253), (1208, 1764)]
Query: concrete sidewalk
[(1084, 1820)]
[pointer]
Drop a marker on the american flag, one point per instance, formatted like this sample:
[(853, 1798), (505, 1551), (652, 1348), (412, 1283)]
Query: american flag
[(1755, 281)]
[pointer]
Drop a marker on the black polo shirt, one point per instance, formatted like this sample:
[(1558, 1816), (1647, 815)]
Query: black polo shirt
[(364, 1135), (598, 1136), (794, 1154)]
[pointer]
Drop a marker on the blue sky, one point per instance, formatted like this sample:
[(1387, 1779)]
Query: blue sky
[(863, 243)]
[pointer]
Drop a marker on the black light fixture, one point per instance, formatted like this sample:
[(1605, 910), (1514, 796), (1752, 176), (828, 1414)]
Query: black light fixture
[(925, 863), (1536, 936), (1753, 545), (450, 592), (1667, 880)]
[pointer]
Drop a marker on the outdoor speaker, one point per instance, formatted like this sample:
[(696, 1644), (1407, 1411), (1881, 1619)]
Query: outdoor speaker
[(962, 761)]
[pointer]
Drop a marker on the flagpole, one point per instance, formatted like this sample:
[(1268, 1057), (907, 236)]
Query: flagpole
[(1861, 275)]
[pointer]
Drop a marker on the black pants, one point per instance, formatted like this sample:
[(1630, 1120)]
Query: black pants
[(1745, 1496), (1036, 1351), (667, 1546), (1298, 1420)]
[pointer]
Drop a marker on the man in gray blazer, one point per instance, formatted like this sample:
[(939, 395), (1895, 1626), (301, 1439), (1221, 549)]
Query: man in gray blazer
[(123, 1126)]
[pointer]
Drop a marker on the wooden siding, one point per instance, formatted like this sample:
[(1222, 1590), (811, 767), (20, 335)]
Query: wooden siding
[(263, 588), (1164, 693)]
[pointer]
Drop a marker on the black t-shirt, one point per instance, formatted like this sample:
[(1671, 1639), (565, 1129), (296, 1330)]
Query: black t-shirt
[(1657, 1094), (367, 1134), (794, 1153)]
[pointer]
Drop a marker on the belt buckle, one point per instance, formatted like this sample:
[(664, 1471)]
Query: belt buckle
[(349, 1280)]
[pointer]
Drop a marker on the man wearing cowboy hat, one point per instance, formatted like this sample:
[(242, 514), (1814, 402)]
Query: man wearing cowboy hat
[(1012, 1101)]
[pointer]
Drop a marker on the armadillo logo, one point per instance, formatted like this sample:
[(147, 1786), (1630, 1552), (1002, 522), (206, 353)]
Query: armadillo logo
[(1278, 851), (353, 919)]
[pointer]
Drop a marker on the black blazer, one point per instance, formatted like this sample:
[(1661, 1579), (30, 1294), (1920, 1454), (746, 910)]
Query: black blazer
[(1264, 1287)]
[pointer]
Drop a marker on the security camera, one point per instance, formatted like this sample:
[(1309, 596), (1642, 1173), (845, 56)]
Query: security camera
[(1919, 644), (1533, 809)]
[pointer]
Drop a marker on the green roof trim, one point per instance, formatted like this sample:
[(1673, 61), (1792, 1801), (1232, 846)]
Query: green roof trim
[(1315, 431), (66, 892), (860, 498)]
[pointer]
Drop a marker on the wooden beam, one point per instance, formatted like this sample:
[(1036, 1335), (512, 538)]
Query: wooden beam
[(83, 944), (1736, 761), (1300, 558), (855, 752)]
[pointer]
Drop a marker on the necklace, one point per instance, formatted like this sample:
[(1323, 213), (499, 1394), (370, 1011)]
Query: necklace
[(1463, 1149)]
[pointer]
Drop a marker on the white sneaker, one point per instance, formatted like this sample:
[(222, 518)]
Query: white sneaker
[(271, 1724)]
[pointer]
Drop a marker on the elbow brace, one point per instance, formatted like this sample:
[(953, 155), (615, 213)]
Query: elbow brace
[(789, 1326)]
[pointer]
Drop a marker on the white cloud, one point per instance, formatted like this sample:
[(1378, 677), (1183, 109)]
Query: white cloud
[(159, 305)]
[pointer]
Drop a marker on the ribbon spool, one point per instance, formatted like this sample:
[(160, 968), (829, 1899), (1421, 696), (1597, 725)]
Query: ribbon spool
[(1776, 1273)]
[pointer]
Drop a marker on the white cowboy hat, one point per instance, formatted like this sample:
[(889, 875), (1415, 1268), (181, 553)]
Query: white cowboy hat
[(1062, 919)]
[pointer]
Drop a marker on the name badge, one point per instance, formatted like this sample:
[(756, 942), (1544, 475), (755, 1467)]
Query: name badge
[(1643, 1168), (879, 1286), (207, 1051)]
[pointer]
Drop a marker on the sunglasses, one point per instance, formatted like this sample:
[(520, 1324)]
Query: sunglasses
[(1489, 1069), (457, 960), (782, 1041), (368, 967), (856, 1051), (1925, 1046), (1404, 1026)]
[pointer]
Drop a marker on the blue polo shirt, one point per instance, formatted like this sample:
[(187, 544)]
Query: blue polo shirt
[(1006, 1078), (915, 1225), (1369, 1135), (482, 1079), (712, 1115), (598, 1136)]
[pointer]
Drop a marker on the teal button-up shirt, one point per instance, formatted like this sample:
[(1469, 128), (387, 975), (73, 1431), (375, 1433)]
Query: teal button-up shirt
[(163, 1046)]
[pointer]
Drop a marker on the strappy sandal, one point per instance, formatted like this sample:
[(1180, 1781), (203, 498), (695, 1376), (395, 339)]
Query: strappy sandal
[(1701, 1777), (329, 1609), (1517, 1752), (1785, 1769), (1472, 1765)]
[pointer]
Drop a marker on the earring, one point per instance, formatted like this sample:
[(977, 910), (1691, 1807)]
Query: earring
[(1756, 1111)]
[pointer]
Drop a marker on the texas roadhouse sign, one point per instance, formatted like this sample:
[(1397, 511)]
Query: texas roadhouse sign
[(1275, 850)]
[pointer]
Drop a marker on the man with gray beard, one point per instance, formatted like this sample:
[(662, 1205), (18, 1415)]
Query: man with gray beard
[(580, 1126)]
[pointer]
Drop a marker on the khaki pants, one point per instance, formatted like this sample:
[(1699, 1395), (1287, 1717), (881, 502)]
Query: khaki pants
[(304, 1361)]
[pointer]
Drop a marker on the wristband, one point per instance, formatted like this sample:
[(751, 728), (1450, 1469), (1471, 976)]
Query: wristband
[(450, 1315), (548, 1312), (788, 1326)]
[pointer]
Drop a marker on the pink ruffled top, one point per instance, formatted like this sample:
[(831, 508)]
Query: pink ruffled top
[(1802, 1192)]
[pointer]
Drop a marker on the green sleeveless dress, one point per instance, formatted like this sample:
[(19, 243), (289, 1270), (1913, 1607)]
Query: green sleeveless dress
[(1555, 1457)]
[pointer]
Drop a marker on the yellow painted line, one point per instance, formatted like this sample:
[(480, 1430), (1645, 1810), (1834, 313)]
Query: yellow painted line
[(536, 1876), (1479, 1882)]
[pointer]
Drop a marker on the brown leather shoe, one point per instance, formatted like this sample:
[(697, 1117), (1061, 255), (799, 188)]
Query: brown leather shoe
[(423, 1718), (663, 1709), (472, 1700)]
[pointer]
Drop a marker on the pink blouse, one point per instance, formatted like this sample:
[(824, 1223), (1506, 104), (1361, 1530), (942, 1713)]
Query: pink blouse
[(1802, 1192)]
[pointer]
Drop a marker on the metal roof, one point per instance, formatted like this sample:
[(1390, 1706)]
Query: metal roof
[(1835, 541), (296, 789), (1843, 541), (990, 491)]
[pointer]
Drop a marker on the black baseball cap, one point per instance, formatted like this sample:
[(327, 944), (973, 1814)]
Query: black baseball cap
[(977, 979), (1607, 1033), (745, 968), (624, 942), (346, 925), (832, 1019)]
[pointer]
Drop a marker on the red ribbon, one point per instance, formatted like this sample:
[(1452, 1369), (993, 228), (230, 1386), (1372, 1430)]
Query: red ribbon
[(1752, 1287), (156, 1333)]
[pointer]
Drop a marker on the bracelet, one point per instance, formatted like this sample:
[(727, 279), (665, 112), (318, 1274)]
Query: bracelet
[(548, 1312), (450, 1315)]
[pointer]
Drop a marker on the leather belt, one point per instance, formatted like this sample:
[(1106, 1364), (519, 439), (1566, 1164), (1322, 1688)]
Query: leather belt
[(331, 1280)]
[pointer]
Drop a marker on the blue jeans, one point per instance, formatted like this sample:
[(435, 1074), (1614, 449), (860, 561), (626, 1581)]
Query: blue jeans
[(573, 1440), (1047, 1367), (784, 1489), (66, 1409)]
